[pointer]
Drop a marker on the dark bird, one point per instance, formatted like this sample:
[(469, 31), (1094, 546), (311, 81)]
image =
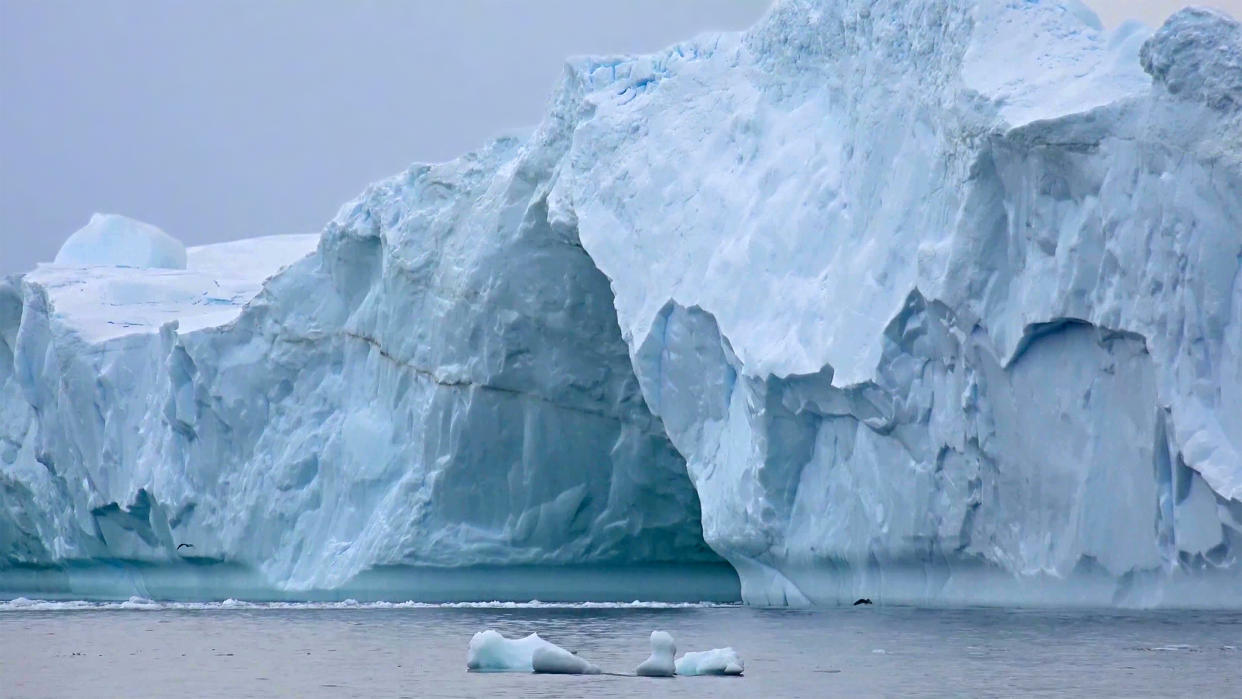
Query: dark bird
[(189, 546), (862, 601)]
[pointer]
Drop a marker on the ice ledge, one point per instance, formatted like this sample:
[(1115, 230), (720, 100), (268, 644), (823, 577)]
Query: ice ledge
[(215, 282)]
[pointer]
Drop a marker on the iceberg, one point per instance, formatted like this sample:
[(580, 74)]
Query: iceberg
[(111, 239), (932, 302), (368, 413), (554, 660), (660, 662), (945, 307), (490, 651)]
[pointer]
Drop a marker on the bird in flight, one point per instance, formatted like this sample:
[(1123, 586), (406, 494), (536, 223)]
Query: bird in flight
[(189, 546)]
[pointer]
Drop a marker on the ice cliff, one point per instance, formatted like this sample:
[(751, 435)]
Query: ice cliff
[(440, 384), (931, 302)]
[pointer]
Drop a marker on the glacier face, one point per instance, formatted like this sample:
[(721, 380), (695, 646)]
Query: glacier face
[(934, 302), (400, 398), (946, 306)]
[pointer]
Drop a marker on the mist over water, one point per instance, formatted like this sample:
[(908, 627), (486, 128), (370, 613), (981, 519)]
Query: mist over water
[(344, 649)]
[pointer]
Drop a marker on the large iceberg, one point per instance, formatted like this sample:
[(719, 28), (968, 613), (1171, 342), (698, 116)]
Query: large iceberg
[(450, 418), (929, 302)]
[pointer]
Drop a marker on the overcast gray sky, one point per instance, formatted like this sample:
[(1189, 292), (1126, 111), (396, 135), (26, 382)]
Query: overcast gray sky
[(235, 118)]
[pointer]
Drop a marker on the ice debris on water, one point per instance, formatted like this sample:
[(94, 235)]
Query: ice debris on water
[(554, 660), (718, 661), (490, 651), (660, 662)]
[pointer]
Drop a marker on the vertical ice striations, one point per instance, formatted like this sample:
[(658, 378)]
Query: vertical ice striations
[(442, 384), (940, 301)]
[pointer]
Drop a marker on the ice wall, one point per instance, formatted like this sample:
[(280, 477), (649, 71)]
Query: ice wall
[(935, 302), (940, 300), (439, 386)]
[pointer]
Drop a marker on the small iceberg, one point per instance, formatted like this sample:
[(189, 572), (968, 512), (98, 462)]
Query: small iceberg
[(113, 240), (718, 661), (660, 663), (491, 652), (554, 660)]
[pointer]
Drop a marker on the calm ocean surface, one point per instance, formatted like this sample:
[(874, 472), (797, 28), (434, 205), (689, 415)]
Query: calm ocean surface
[(347, 651)]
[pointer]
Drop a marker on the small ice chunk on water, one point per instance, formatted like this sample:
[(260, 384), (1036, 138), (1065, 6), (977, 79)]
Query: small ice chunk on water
[(717, 661), (110, 239), (660, 663), (555, 660), (490, 651)]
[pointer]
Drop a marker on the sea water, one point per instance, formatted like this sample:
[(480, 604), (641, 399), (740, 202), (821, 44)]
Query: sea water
[(234, 649)]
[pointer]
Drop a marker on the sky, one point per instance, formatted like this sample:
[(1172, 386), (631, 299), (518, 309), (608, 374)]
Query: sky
[(237, 118)]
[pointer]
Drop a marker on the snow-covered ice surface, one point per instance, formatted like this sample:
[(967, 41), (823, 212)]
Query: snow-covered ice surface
[(931, 302), (213, 284)]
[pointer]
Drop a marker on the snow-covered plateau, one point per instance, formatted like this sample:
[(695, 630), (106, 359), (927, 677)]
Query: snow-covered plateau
[(931, 301)]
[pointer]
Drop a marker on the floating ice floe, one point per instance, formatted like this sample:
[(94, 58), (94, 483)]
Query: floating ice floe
[(660, 663), (718, 661), (554, 660), (489, 651)]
